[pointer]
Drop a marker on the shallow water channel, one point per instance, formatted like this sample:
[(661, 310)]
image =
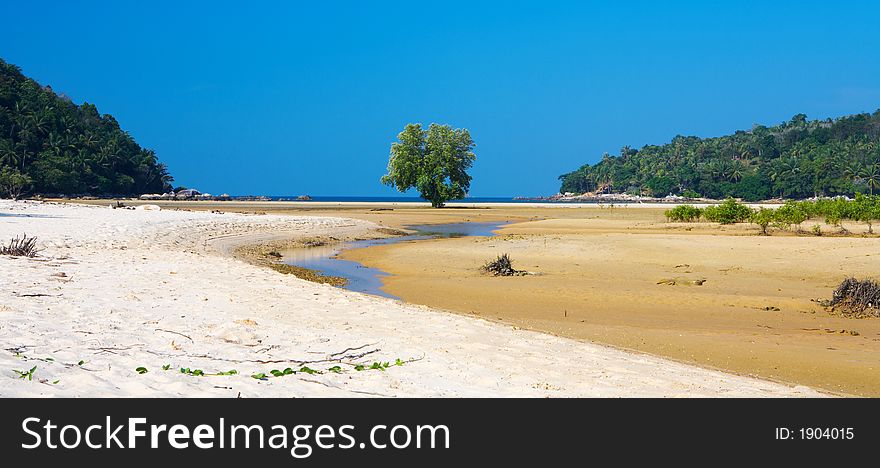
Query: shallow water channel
[(367, 280)]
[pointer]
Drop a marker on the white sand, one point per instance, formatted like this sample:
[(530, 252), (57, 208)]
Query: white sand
[(122, 287)]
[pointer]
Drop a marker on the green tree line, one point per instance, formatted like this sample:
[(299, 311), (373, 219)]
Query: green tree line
[(49, 145), (797, 159)]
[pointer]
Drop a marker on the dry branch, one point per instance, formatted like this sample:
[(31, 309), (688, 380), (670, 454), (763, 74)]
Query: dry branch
[(857, 298), (20, 247), (502, 266)]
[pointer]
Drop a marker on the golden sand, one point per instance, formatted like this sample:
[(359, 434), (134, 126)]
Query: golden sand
[(721, 297), (718, 296)]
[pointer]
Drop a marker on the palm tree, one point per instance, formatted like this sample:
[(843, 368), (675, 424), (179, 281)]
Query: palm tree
[(8, 156), (872, 177), (736, 172), (54, 144), (854, 171), (39, 122)]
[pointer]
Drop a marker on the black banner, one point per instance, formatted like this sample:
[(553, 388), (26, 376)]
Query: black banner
[(326, 432)]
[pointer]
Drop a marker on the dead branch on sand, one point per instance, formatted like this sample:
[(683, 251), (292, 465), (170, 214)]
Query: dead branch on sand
[(21, 247), (857, 298)]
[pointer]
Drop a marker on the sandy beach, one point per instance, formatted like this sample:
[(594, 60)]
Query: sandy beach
[(716, 296), (116, 290)]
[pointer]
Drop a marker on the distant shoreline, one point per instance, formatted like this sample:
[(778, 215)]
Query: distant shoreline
[(319, 205), (605, 199)]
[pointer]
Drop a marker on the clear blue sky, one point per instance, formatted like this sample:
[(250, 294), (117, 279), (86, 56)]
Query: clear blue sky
[(294, 97)]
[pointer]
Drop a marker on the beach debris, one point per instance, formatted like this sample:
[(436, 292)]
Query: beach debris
[(23, 246), (856, 298), (176, 333), (502, 266), (842, 331), (682, 281)]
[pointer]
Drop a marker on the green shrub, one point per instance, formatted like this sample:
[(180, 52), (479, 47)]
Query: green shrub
[(809, 208), (865, 209), (683, 214), (790, 214), (728, 212), (763, 217)]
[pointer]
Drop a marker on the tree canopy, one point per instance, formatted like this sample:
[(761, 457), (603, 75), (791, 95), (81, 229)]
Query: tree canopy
[(434, 161), (48, 144), (796, 159)]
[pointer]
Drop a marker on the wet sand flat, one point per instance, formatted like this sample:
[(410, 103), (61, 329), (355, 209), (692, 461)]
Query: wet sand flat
[(608, 279)]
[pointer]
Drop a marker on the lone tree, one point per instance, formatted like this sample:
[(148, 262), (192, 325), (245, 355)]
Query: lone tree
[(435, 162)]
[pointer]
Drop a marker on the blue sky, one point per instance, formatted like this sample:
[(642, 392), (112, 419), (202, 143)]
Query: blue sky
[(287, 98)]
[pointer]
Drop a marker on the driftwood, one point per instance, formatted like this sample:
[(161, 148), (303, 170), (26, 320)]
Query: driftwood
[(20, 247), (502, 266), (330, 359), (176, 333), (857, 298), (351, 349)]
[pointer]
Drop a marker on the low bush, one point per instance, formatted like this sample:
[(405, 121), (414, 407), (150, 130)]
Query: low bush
[(763, 218), (728, 212), (863, 209), (683, 214), (790, 214)]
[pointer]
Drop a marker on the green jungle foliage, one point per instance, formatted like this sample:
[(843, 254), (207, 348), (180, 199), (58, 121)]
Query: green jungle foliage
[(797, 159), (49, 145)]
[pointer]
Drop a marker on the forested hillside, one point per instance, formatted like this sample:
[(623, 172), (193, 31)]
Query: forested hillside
[(797, 159), (49, 145)]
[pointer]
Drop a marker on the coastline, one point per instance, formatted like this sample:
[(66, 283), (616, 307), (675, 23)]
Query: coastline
[(114, 290)]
